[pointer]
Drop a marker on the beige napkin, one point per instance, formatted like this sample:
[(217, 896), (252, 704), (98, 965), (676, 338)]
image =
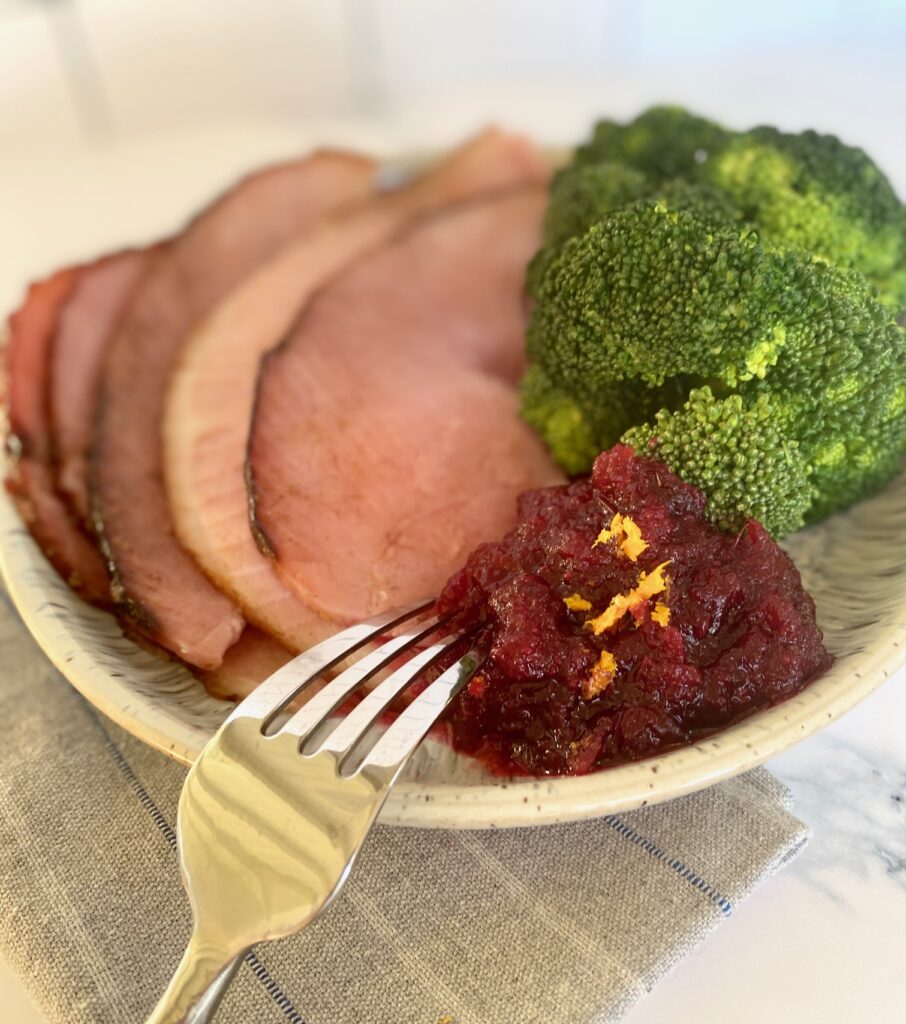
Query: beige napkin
[(563, 925)]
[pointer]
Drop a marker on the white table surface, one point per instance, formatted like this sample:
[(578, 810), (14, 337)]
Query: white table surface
[(82, 171)]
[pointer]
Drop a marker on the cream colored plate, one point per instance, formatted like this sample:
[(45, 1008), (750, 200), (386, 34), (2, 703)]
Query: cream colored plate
[(854, 565)]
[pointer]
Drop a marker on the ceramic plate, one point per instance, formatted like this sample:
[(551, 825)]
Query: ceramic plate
[(854, 565)]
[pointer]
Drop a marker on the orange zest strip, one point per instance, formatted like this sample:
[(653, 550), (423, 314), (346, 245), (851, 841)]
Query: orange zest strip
[(623, 529), (601, 676), (650, 584)]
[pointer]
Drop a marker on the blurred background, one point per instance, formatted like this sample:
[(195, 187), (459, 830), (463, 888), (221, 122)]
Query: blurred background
[(118, 117)]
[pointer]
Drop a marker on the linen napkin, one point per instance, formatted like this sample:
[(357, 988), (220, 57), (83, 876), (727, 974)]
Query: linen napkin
[(562, 925)]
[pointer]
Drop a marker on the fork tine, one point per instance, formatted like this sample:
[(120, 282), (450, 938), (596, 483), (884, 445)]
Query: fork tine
[(404, 735), (351, 729), (272, 696), (326, 701)]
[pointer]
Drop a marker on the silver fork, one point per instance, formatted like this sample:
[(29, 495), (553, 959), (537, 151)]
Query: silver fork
[(271, 816)]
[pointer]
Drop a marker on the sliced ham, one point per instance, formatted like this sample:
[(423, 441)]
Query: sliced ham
[(212, 390), (156, 582), (386, 442), (31, 475), (31, 329), (254, 657), (250, 660), (86, 321)]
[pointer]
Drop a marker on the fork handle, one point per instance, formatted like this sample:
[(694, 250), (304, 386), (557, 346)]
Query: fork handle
[(197, 986)]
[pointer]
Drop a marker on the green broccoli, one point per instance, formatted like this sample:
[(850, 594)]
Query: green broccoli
[(652, 297), (736, 453), (582, 194), (849, 417), (570, 429), (576, 428), (813, 192), (664, 142), (651, 292), (679, 254), (802, 190), (579, 196)]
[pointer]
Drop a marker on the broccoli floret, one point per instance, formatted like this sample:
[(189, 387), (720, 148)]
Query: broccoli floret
[(576, 427), (813, 192), (657, 296), (664, 142), (582, 194), (707, 204), (737, 454), (651, 292), (570, 429), (679, 254), (805, 190), (840, 388)]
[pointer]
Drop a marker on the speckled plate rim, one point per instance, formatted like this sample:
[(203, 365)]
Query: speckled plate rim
[(89, 649)]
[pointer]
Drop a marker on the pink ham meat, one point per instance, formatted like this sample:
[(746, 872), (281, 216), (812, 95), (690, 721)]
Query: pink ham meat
[(246, 665), (386, 442), (154, 580), (31, 476), (209, 403), (76, 353)]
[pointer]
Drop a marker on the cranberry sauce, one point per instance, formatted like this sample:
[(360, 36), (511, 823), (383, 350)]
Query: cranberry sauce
[(618, 622)]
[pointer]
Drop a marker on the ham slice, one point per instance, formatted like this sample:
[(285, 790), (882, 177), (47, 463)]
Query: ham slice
[(386, 442), (31, 475), (96, 302), (210, 399), (155, 581), (246, 665)]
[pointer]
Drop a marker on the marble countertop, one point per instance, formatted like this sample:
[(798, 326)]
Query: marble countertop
[(825, 939)]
